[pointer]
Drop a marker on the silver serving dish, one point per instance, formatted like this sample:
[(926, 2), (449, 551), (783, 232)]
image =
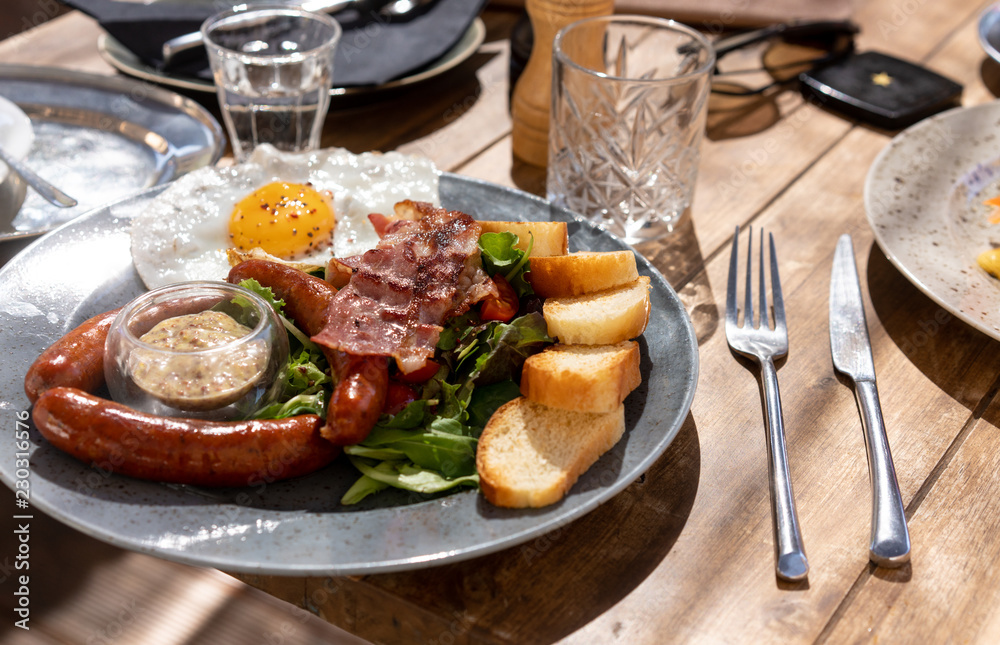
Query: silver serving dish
[(100, 138)]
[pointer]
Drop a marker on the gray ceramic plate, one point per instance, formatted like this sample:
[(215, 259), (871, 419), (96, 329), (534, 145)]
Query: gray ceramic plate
[(100, 138), (298, 527), (924, 199)]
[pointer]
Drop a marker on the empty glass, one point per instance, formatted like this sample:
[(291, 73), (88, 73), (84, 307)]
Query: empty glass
[(629, 99), (273, 67)]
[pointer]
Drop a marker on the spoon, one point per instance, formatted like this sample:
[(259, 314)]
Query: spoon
[(41, 186)]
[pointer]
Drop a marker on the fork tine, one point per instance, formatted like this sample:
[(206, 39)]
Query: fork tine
[(731, 284), (748, 299), (764, 319), (779, 302)]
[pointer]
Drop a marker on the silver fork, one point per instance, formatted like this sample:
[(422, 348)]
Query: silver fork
[(764, 344)]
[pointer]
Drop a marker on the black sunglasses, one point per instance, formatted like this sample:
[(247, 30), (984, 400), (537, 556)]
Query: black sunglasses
[(794, 48)]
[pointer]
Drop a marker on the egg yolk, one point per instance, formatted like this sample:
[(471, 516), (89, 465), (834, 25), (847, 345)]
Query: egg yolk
[(989, 261), (285, 220)]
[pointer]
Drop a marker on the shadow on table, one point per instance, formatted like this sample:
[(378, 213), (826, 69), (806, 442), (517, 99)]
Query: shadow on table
[(548, 588), (56, 562), (732, 117), (941, 346), (989, 71)]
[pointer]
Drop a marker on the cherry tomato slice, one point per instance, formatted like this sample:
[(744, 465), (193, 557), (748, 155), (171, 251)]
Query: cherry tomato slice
[(398, 397), (502, 308), (421, 375)]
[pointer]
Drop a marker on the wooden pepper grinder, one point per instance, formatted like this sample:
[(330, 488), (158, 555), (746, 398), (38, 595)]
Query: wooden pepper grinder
[(532, 98)]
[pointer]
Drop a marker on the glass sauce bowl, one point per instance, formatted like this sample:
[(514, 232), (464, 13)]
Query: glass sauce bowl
[(231, 380)]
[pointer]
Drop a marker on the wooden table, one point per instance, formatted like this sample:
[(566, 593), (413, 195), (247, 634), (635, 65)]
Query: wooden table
[(685, 554)]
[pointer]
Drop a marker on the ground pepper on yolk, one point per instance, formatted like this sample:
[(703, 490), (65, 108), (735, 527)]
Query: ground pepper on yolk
[(273, 216)]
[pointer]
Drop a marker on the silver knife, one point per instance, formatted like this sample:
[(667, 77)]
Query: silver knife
[(852, 355)]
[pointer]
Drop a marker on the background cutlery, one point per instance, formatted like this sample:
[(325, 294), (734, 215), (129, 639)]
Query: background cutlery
[(41, 186)]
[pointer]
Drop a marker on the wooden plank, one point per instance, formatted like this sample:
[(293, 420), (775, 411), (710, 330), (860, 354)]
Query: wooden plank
[(950, 592), (48, 44), (954, 528), (85, 591), (827, 451), (684, 554)]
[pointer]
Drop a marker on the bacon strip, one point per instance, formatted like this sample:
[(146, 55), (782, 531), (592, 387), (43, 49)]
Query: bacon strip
[(401, 292)]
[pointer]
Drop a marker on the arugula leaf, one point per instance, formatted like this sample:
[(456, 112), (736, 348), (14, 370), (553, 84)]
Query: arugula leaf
[(412, 416), (500, 256), (263, 292), (457, 330), (305, 372), (498, 252), (409, 476), (509, 344), (299, 404), (487, 398), (361, 489), (360, 450)]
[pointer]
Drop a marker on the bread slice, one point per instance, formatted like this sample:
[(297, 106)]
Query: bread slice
[(551, 238), (530, 455), (586, 378), (582, 272), (600, 318)]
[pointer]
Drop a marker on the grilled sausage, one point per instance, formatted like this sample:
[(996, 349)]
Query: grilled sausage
[(358, 398), (306, 297), (75, 360), (116, 438), (362, 381)]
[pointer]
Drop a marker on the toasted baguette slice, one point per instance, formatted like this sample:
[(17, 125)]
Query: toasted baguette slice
[(601, 318), (582, 272), (586, 378), (551, 238), (530, 455)]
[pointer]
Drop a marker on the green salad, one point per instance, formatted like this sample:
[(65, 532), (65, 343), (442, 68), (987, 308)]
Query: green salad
[(426, 440)]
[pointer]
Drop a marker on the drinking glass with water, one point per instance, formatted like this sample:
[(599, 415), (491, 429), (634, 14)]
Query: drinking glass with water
[(273, 68)]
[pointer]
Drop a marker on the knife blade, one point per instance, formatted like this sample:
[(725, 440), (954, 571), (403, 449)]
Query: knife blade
[(851, 349)]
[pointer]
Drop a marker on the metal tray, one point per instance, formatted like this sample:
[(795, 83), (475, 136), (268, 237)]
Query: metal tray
[(100, 138)]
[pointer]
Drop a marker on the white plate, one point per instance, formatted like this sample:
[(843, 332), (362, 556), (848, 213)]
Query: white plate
[(923, 197), (298, 527), (16, 135), (119, 57)]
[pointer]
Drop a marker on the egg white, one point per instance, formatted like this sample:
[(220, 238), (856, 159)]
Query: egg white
[(183, 233)]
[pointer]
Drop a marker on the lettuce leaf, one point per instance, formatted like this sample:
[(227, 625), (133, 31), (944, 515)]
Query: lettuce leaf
[(487, 398), (408, 476), (299, 404), (499, 256), (430, 445), (361, 489)]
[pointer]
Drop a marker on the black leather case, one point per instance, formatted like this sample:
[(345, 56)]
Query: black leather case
[(881, 90)]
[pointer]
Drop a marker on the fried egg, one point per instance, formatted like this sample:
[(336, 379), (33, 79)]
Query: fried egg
[(305, 207)]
